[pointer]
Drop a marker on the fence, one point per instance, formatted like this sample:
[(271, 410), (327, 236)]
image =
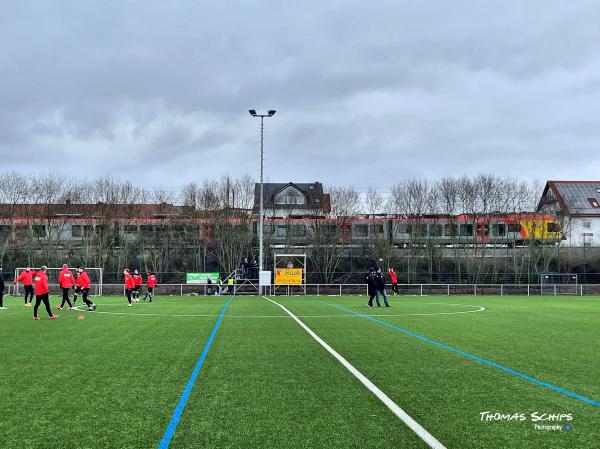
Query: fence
[(249, 288)]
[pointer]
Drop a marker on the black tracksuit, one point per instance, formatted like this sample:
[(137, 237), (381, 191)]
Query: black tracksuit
[(371, 288)]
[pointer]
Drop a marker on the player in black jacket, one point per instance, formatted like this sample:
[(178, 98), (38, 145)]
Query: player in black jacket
[(372, 288)]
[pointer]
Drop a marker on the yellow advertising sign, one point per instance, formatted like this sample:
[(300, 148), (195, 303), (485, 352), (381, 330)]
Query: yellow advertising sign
[(288, 276)]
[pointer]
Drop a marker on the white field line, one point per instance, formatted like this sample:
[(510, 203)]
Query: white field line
[(429, 439), (347, 315)]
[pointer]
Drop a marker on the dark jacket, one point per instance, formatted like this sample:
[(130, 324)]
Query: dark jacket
[(379, 281), (371, 288), (1, 281)]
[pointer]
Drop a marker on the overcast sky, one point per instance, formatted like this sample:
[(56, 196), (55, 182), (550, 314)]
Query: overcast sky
[(367, 93)]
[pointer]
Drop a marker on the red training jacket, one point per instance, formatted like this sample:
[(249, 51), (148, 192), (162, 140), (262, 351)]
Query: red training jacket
[(83, 280), (41, 283), (26, 277), (129, 282), (137, 278), (65, 279), (152, 281), (393, 277)]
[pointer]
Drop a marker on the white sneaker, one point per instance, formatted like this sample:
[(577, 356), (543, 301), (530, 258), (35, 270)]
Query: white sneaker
[(3, 308), (128, 305)]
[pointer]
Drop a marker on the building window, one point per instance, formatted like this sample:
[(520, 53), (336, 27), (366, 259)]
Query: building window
[(594, 203), (290, 196), (586, 224), (131, 229)]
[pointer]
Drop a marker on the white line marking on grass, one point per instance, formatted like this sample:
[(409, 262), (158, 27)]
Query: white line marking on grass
[(429, 439)]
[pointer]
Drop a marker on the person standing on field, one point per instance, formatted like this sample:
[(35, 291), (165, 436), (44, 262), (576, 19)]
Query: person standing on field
[(380, 286), (42, 294), (26, 277), (138, 281), (371, 288), (2, 290), (151, 282), (393, 280), (129, 285), (83, 285), (65, 282)]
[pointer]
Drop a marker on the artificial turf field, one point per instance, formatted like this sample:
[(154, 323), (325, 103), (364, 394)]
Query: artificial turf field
[(114, 379)]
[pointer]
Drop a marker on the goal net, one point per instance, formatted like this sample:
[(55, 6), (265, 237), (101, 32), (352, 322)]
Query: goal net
[(559, 284), (95, 275)]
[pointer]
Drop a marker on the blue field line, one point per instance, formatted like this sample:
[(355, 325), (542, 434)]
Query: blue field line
[(166, 439), (471, 356)]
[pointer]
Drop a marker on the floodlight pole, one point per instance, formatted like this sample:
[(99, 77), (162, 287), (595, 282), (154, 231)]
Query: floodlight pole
[(261, 213)]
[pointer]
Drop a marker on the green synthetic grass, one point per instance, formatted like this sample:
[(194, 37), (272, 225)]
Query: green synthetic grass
[(113, 380)]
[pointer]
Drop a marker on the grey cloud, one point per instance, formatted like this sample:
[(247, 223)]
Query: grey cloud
[(366, 93)]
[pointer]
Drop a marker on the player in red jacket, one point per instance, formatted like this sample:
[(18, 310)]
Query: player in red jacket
[(138, 281), (129, 285), (66, 280), (393, 280), (41, 293), (26, 277), (151, 282), (83, 286)]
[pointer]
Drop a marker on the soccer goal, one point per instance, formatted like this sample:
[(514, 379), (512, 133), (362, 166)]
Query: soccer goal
[(95, 275), (559, 284)]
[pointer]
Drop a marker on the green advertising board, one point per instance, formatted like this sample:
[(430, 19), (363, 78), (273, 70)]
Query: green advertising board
[(201, 278)]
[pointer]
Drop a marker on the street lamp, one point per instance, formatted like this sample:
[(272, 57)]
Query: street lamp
[(261, 213)]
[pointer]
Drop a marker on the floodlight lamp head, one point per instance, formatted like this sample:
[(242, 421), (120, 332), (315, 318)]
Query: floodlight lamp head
[(271, 112), (252, 112)]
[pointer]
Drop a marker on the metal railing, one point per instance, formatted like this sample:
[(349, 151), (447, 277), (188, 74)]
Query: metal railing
[(250, 288)]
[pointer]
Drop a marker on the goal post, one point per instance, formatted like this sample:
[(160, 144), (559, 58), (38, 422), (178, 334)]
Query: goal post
[(95, 275), (559, 284)]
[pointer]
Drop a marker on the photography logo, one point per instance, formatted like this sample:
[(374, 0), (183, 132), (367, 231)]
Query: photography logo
[(549, 422)]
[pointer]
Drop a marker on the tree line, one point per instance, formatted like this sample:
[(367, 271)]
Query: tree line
[(209, 226)]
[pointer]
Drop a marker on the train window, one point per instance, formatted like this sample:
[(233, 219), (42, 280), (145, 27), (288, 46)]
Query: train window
[(552, 227), (419, 230), (450, 230), (76, 231), (38, 231), (297, 231), (361, 230), (376, 229), (435, 230), (403, 228), (130, 229), (499, 229), (466, 230), (281, 231), (514, 228)]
